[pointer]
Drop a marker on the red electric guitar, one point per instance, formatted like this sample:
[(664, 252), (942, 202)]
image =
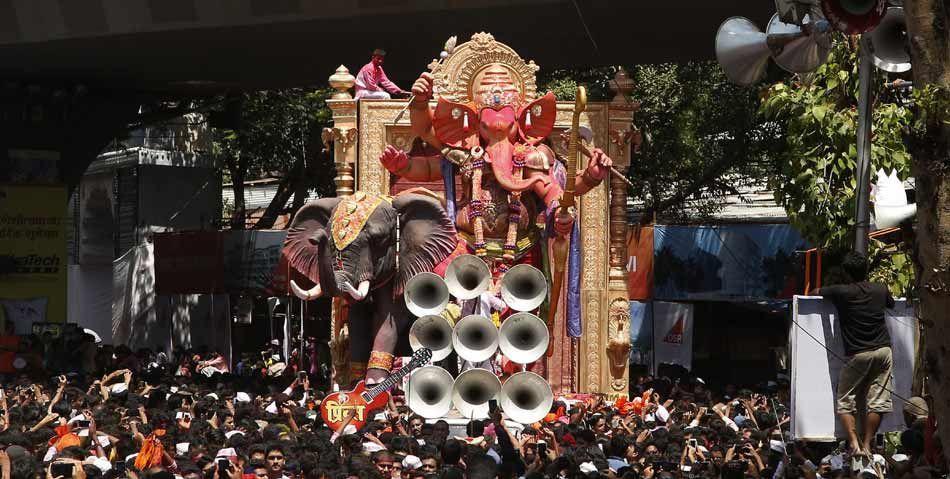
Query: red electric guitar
[(364, 400)]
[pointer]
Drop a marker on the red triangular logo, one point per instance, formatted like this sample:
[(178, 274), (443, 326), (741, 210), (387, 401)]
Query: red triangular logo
[(675, 334)]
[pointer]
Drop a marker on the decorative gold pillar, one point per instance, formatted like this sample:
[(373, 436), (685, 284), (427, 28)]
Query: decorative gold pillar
[(343, 133), (617, 338), (594, 222)]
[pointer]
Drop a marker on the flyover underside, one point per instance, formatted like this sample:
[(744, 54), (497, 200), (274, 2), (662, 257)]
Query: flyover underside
[(301, 52)]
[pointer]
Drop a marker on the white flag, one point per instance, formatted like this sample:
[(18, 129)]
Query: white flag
[(673, 333)]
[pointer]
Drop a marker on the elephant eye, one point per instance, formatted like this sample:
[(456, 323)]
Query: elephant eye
[(383, 239)]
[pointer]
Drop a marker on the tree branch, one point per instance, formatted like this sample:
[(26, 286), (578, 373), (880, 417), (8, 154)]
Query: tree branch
[(285, 189), (711, 173)]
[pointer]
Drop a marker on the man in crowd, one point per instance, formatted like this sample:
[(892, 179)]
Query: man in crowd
[(866, 380), (276, 461), (372, 82)]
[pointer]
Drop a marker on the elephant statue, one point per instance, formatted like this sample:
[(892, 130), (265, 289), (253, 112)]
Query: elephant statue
[(364, 248)]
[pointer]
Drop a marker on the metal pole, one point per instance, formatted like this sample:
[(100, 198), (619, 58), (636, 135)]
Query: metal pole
[(862, 214), (300, 348)]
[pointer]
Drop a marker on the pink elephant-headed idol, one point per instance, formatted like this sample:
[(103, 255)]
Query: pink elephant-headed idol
[(511, 179)]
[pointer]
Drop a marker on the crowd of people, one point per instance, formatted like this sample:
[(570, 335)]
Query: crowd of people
[(141, 416)]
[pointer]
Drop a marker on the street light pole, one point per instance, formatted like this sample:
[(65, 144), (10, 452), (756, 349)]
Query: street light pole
[(862, 214)]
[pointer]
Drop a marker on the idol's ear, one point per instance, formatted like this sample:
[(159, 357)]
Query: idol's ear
[(536, 119), (454, 122)]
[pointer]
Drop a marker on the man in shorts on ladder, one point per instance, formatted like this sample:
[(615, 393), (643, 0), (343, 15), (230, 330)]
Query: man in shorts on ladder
[(866, 379)]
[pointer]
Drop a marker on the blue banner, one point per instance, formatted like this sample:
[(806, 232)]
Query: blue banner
[(641, 332), (726, 263)]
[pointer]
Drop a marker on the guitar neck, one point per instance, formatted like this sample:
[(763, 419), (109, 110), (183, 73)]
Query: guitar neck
[(389, 382)]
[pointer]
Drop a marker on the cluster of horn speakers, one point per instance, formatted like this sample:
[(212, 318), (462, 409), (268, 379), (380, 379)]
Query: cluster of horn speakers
[(743, 50), (523, 338)]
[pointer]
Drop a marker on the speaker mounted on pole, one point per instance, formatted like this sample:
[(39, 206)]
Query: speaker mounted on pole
[(888, 45), (854, 16)]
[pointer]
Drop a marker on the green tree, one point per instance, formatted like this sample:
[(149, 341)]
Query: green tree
[(275, 133), (816, 177), (702, 136)]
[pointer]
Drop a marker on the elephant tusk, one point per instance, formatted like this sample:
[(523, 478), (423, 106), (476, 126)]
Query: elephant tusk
[(361, 291), (306, 295)]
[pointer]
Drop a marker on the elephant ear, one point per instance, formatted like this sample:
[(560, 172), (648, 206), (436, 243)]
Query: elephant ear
[(450, 123), (307, 234), (426, 236), (543, 112)]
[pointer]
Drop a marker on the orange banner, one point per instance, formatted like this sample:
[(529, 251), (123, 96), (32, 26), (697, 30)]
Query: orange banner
[(640, 262)]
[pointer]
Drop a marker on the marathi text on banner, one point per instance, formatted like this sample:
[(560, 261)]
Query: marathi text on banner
[(33, 252)]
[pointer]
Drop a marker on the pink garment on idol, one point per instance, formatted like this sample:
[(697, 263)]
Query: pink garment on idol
[(372, 81)]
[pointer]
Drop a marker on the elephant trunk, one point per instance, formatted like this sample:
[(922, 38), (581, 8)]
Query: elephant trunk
[(306, 295), (500, 155)]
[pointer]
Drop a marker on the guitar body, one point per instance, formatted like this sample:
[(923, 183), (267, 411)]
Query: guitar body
[(336, 406), (364, 401)]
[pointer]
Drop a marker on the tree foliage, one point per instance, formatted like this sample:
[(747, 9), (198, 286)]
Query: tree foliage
[(702, 137), (816, 179), (275, 133)]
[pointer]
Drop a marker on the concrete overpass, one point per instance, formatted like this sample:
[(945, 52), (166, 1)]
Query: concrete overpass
[(185, 44), (74, 72)]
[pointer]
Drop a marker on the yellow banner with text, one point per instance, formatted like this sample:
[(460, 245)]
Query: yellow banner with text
[(33, 262)]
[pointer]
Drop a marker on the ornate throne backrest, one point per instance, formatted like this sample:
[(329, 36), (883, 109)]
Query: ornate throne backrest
[(454, 76)]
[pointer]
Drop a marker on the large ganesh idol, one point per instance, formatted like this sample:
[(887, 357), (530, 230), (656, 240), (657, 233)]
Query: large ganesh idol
[(511, 179)]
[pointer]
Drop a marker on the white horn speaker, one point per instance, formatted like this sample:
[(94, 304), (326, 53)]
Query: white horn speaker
[(475, 338), (523, 287), (742, 50), (796, 49), (472, 391), (888, 42), (467, 277), (890, 201), (430, 392), (523, 338), (432, 332), (426, 293), (526, 397)]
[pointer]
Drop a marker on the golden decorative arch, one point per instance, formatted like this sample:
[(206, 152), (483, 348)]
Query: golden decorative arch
[(454, 76)]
